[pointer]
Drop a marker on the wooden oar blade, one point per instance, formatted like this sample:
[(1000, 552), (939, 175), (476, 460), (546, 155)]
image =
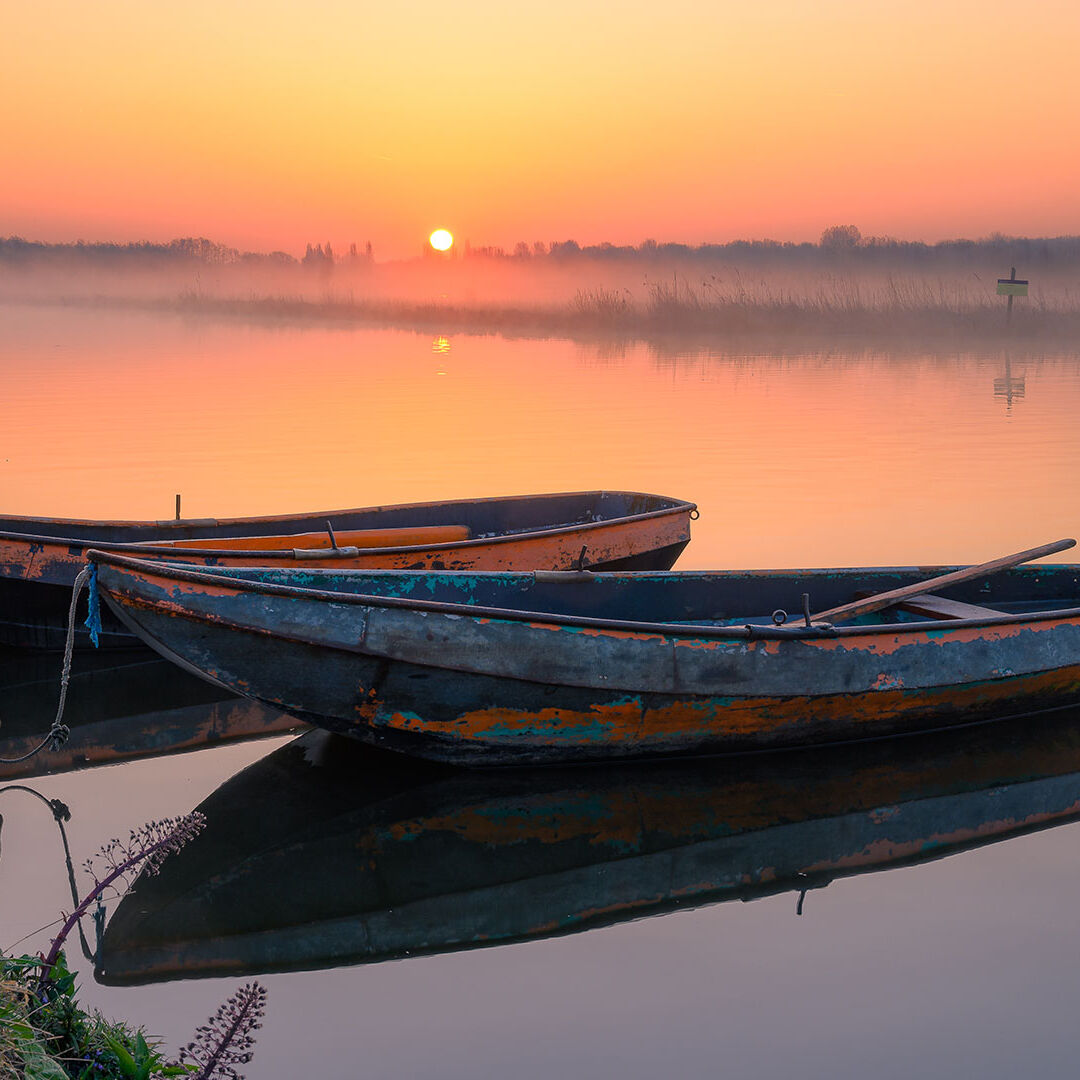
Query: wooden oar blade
[(874, 603)]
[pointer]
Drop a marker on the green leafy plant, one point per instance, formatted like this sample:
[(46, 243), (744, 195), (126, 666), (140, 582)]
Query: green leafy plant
[(46, 1035)]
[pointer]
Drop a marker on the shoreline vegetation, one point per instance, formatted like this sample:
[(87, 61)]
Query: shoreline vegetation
[(909, 310), (845, 288), (45, 1034), (910, 313)]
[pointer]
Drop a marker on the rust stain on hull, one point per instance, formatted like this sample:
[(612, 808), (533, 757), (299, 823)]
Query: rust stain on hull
[(710, 725)]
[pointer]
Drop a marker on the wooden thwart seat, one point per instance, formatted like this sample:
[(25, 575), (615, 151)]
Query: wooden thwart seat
[(941, 607)]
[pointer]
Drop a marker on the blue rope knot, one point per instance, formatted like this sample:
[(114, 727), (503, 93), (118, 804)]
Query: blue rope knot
[(93, 603)]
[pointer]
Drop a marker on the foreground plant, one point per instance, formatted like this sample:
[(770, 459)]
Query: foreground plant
[(46, 1035), (144, 850), (226, 1039), (52, 1038)]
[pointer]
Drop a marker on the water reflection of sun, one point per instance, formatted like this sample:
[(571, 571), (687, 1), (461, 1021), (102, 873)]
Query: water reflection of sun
[(441, 240)]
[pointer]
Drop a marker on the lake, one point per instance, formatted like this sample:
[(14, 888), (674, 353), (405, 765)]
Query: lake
[(638, 923)]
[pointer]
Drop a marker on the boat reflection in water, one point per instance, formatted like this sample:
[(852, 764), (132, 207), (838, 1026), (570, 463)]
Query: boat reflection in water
[(120, 706), (327, 853)]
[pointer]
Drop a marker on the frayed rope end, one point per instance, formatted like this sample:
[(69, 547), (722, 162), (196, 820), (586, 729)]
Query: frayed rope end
[(93, 604)]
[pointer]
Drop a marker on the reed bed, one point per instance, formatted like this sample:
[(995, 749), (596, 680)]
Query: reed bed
[(776, 307), (838, 307)]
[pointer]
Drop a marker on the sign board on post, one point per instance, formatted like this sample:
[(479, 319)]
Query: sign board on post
[(1012, 287)]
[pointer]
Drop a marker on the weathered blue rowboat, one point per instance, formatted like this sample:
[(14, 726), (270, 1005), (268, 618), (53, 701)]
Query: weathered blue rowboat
[(386, 862), (611, 530), (499, 669)]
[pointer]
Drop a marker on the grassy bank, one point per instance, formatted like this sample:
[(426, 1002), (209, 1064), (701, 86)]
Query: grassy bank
[(46, 1035)]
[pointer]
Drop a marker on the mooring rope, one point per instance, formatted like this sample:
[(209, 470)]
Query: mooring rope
[(59, 732)]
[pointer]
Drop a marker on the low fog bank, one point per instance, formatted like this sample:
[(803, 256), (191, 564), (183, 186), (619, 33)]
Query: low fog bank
[(843, 285)]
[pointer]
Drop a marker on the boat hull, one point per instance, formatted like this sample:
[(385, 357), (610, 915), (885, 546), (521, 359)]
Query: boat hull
[(498, 688), (598, 530)]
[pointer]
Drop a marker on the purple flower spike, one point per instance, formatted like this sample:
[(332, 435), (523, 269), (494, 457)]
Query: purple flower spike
[(145, 849), (226, 1039)]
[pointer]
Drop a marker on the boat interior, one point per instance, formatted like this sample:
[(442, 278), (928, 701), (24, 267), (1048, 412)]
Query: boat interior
[(475, 518), (718, 598)]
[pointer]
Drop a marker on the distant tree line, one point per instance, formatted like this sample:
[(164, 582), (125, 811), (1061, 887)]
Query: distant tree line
[(322, 257), (190, 249), (840, 243)]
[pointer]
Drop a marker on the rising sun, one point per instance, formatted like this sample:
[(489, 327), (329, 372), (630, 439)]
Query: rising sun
[(441, 240)]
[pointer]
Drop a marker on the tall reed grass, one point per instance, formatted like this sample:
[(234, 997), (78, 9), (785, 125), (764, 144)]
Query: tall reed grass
[(832, 306)]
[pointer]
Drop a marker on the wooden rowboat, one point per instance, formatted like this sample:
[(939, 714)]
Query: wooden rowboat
[(40, 557), (500, 669), (324, 854)]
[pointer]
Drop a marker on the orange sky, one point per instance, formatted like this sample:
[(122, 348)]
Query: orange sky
[(270, 124)]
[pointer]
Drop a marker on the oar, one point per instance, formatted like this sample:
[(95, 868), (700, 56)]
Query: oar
[(897, 596)]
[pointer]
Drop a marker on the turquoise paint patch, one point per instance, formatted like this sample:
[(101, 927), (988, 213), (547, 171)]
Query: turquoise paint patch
[(594, 732)]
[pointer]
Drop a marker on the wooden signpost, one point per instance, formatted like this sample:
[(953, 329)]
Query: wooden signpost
[(1010, 287)]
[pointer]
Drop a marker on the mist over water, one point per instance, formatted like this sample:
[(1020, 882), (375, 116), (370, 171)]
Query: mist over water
[(869, 289)]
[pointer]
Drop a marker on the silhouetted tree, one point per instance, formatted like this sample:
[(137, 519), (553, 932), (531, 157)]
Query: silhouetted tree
[(566, 249), (318, 258), (841, 238)]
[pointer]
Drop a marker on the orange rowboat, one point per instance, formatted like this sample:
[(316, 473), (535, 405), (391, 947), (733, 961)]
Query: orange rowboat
[(599, 530)]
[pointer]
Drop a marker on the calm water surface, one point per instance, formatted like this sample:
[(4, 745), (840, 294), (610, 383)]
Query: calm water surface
[(962, 965)]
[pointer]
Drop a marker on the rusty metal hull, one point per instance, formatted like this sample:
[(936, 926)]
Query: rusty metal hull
[(40, 557), (515, 669), (387, 861)]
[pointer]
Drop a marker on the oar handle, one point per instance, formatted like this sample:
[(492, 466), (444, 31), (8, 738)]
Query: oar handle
[(896, 596)]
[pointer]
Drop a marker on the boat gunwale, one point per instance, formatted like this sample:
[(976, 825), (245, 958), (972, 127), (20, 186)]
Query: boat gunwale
[(678, 504), (163, 545), (749, 632)]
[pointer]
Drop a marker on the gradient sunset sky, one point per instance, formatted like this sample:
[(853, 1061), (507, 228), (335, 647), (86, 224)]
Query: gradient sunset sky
[(271, 124)]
